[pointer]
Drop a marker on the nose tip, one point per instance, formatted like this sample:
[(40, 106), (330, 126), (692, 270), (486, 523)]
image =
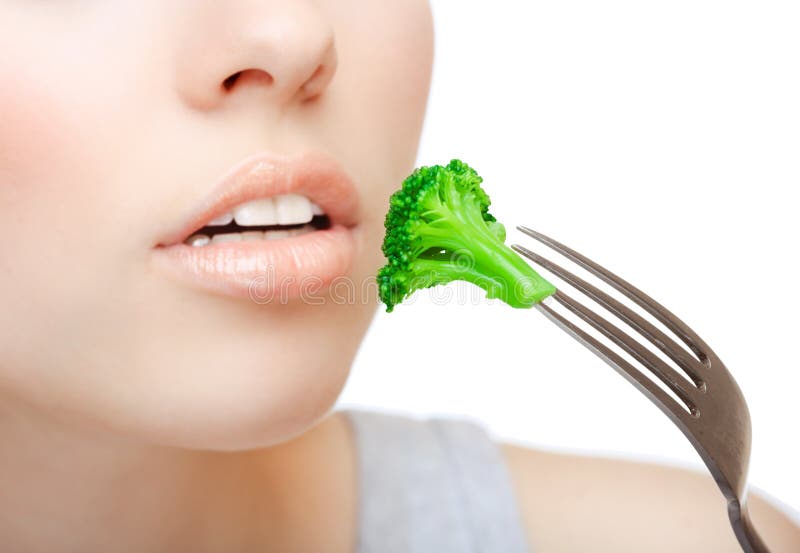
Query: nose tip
[(285, 53), (312, 82)]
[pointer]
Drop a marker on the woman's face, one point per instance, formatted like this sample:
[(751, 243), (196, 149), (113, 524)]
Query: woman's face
[(117, 119)]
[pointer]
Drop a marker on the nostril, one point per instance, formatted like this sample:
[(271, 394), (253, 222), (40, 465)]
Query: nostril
[(315, 84), (228, 83), (248, 75), (319, 80), (316, 74)]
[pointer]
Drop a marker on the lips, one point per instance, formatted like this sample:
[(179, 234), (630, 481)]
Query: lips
[(269, 269), (317, 176)]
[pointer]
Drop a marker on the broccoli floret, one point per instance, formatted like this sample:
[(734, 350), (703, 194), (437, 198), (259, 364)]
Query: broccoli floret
[(439, 229)]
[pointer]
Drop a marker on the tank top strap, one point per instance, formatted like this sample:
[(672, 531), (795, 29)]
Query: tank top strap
[(432, 485)]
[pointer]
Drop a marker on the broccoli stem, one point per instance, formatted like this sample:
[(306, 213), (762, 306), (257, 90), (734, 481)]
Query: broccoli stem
[(480, 258)]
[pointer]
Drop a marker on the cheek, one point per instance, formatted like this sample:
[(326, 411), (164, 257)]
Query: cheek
[(32, 139), (61, 137), (43, 140), (382, 86), (60, 103), (43, 176), (34, 145), (388, 56), (50, 258)]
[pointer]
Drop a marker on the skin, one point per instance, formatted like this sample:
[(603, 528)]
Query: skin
[(137, 414), (577, 503)]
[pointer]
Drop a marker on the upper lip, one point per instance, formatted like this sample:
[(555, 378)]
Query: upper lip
[(315, 175)]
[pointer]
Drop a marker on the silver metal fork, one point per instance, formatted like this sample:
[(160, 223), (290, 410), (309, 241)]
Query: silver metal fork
[(714, 415)]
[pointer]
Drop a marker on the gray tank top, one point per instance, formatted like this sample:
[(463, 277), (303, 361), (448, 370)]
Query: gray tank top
[(433, 485)]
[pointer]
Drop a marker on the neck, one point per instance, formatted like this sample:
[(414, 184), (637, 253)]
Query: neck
[(65, 487)]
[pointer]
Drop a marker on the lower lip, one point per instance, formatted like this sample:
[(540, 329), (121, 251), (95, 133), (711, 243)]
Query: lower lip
[(264, 271)]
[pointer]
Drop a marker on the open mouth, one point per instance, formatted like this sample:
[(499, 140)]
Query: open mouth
[(272, 225), (272, 218)]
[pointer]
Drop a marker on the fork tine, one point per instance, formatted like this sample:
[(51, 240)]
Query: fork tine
[(669, 376), (681, 329), (722, 436), (689, 364), (662, 399)]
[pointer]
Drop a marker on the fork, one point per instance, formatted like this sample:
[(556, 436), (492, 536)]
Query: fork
[(712, 412)]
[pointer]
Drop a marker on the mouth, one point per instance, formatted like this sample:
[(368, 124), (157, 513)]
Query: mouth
[(272, 225), (260, 220)]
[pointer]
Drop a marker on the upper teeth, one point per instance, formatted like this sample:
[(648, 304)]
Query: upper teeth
[(286, 209)]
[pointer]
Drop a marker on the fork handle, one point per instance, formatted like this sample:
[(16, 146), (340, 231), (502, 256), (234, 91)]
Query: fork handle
[(743, 527)]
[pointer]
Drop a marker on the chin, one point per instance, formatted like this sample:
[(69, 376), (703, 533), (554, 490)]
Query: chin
[(224, 395), (200, 372), (243, 408)]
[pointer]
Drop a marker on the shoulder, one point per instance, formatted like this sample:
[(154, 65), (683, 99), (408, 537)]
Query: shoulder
[(579, 503)]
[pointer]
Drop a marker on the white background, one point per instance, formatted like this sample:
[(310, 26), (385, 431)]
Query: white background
[(661, 139)]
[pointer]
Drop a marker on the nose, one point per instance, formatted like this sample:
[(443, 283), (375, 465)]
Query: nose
[(282, 51)]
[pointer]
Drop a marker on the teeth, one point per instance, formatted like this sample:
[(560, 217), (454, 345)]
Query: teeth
[(222, 220), (305, 229), (256, 213), (293, 209), (231, 237), (286, 209), (198, 240), (276, 234), (288, 233), (252, 235)]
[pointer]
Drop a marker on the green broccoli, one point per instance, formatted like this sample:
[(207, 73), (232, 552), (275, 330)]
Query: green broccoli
[(439, 229)]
